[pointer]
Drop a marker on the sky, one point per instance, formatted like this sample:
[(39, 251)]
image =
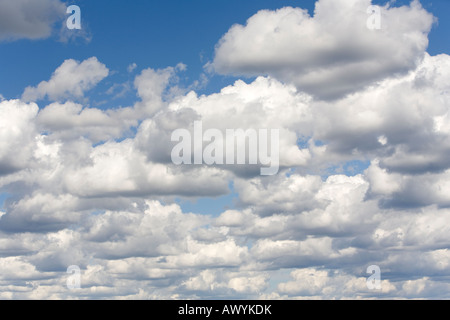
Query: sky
[(88, 177)]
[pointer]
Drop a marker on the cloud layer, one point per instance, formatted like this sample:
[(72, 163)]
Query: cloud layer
[(97, 188)]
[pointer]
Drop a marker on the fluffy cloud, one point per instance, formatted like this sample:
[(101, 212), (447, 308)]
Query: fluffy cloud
[(70, 121), (40, 213), (70, 80), (17, 132), (151, 86), (118, 169), (263, 104), (97, 188), (29, 19), (330, 54), (401, 122), (312, 283), (110, 250), (406, 191)]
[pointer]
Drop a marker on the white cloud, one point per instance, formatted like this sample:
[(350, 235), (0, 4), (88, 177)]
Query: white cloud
[(314, 283), (41, 213), (132, 67), (115, 263), (263, 104), (210, 281), (83, 189), (70, 80), (119, 169), (283, 195), (151, 85), (409, 112), (70, 121), (17, 133), (249, 284), (14, 268), (308, 282), (406, 191), (330, 54)]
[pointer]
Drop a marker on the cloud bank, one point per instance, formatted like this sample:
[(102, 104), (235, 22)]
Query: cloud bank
[(97, 188)]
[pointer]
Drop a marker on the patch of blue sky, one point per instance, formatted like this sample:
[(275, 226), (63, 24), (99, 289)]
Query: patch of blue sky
[(350, 168), (3, 198), (208, 205)]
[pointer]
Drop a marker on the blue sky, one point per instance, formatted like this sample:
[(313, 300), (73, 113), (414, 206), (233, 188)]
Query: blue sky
[(153, 34), (158, 34), (87, 178)]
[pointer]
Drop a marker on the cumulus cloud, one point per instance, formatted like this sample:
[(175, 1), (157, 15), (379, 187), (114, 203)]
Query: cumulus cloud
[(17, 132), (29, 19), (97, 188), (70, 80), (310, 283), (330, 54), (117, 169), (71, 120), (400, 121), (239, 106), (151, 87)]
